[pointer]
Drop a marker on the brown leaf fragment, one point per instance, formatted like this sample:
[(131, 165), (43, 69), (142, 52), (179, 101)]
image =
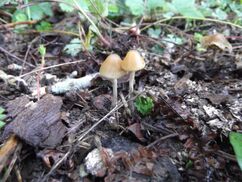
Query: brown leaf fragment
[(39, 123), (51, 157), (216, 40), (136, 130), (103, 102)]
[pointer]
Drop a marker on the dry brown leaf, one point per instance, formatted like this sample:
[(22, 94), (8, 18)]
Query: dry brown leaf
[(217, 40)]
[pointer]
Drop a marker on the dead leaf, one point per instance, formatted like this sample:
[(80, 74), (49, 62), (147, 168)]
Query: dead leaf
[(136, 130), (217, 40)]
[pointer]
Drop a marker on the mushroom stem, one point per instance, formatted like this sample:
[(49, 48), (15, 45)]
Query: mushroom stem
[(115, 92), (131, 82)]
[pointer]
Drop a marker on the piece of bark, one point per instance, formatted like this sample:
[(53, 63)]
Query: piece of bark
[(38, 124)]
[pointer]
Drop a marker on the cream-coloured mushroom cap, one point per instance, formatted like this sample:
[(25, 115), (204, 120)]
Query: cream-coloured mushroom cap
[(133, 61), (111, 67)]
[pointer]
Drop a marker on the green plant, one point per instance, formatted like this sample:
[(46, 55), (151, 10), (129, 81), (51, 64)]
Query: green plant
[(144, 105), (2, 117), (44, 26), (74, 47), (34, 12), (42, 51), (236, 141)]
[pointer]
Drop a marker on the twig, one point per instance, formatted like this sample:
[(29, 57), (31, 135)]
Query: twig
[(162, 138), (193, 18), (49, 67), (97, 123), (9, 25), (12, 55), (125, 103), (226, 155), (26, 55)]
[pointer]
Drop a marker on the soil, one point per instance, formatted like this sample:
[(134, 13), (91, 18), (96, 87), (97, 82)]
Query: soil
[(197, 102)]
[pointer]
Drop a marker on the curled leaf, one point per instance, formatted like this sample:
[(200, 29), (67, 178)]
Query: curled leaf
[(216, 40)]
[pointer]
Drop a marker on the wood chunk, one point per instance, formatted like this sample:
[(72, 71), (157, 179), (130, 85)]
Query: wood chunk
[(39, 123), (17, 106)]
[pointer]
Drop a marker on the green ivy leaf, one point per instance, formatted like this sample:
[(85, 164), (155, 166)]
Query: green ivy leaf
[(74, 47), (236, 141), (144, 105), (136, 7)]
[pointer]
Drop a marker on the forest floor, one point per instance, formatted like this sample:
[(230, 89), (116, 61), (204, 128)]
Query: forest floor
[(77, 135)]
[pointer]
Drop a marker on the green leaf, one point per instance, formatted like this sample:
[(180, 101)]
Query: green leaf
[(3, 2), (68, 8), (155, 33), (38, 11), (1, 110), (74, 47), (144, 105), (65, 7), (236, 141), (157, 49), (113, 10), (99, 7), (2, 116), (19, 16), (187, 8), (153, 4), (220, 14), (136, 7), (198, 37), (173, 39), (2, 124), (46, 8), (42, 50), (44, 26)]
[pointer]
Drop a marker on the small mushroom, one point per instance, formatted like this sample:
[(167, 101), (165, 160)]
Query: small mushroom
[(216, 42), (132, 63), (111, 69)]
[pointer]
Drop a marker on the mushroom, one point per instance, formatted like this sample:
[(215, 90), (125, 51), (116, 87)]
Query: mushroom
[(216, 42), (111, 69), (132, 63)]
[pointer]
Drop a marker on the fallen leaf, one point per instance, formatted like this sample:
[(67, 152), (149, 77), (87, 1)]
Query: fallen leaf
[(136, 130)]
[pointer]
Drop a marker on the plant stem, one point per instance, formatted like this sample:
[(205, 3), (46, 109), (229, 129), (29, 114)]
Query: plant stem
[(194, 18), (131, 82), (115, 92)]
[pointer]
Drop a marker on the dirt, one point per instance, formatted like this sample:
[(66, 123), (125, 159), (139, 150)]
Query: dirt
[(185, 138)]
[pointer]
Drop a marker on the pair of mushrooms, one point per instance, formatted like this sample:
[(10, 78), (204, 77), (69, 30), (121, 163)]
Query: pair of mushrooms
[(113, 68)]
